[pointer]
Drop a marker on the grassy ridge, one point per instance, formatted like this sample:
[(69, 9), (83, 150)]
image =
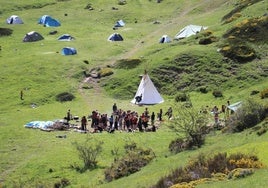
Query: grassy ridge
[(26, 156)]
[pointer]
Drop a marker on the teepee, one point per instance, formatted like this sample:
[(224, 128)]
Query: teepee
[(147, 93)]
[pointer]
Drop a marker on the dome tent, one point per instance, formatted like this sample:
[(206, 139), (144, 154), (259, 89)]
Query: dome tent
[(115, 37), (65, 37), (48, 21), (68, 51), (119, 23), (14, 19), (32, 36), (165, 39)]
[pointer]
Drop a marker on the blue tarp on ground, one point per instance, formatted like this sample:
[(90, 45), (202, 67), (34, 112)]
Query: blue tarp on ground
[(39, 124)]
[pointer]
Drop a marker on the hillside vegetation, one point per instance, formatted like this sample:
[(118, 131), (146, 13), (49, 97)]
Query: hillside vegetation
[(227, 61)]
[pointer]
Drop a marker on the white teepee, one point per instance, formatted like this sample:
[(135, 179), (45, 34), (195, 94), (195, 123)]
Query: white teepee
[(147, 91)]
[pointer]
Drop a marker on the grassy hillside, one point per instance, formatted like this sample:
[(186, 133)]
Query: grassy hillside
[(34, 158)]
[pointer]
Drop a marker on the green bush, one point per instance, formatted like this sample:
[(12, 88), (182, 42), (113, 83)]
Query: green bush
[(191, 125), (65, 96), (264, 93), (239, 52), (5, 32), (248, 115), (88, 152), (122, 2), (203, 89), (235, 166), (181, 97), (217, 93), (105, 72), (177, 145), (207, 40), (63, 183), (127, 63), (134, 159)]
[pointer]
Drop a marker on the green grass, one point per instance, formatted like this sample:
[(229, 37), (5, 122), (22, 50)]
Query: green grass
[(27, 156)]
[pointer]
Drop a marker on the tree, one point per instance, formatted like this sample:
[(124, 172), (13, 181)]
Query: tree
[(191, 126), (88, 152)]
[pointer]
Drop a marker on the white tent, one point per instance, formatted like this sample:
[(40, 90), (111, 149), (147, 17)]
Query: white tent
[(235, 106), (14, 19), (189, 31), (119, 23), (147, 91), (164, 39)]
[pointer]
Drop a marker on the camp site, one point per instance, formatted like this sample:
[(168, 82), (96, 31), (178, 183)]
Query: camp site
[(123, 93)]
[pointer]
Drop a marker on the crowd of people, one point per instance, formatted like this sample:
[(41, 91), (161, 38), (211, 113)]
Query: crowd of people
[(120, 120), (130, 121)]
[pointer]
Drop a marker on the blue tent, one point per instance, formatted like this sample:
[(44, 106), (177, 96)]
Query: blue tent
[(48, 21), (65, 37), (115, 37), (68, 51)]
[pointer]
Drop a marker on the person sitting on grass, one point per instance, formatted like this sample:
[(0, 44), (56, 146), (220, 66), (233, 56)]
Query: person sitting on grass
[(138, 99)]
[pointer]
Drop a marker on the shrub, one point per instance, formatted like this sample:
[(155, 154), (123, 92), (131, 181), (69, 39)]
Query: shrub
[(240, 173), (254, 92), (218, 163), (234, 17), (177, 145), (252, 30), (239, 52), (88, 152), (203, 89), (217, 93), (127, 63), (182, 97), (65, 96), (264, 93), (63, 183), (201, 168), (122, 2), (191, 124), (247, 116), (262, 129), (105, 72), (207, 40), (240, 160), (134, 159), (5, 32)]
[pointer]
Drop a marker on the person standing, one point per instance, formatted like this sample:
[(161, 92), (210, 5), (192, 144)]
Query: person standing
[(216, 112), (68, 116), (169, 113), (152, 118), (160, 114), (114, 108), (84, 123), (21, 95)]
